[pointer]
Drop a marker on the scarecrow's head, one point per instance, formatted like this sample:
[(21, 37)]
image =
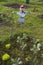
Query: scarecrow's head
[(22, 8)]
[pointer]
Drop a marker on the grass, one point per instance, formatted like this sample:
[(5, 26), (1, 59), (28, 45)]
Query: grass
[(8, 34), (33, 25), (34, 2)]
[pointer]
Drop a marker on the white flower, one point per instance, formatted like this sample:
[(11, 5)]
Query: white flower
[(18, 37), (38, 46), (24, 34), (20, 62), (13, 64), (18, 59), (37, 40), (31, 49), (12, 60)]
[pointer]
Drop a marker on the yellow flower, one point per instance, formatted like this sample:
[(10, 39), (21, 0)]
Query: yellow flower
[(8, 46), (5, 57)]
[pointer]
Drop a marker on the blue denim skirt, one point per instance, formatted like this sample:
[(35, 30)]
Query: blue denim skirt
[(21, 20)]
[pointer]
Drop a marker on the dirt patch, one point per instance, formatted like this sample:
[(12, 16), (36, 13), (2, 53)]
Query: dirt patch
[(40, 16), (16, 5), (5, 24)]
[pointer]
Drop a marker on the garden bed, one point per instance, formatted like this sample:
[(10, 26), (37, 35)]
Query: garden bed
[(16, 5), (40, 16), (20, 51)]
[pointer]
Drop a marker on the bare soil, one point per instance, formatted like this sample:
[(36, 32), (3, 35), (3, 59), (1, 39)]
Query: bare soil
[(16, 5)]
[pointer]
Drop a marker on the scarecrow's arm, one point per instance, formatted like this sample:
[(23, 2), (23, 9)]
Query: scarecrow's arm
[(30, 12), (14, 12)]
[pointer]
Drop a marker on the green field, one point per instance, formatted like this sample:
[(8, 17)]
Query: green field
[(33, 25)]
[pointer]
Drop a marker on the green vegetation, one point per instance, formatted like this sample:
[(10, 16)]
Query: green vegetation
[(33, 24), (23, 44), (24, 50)]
